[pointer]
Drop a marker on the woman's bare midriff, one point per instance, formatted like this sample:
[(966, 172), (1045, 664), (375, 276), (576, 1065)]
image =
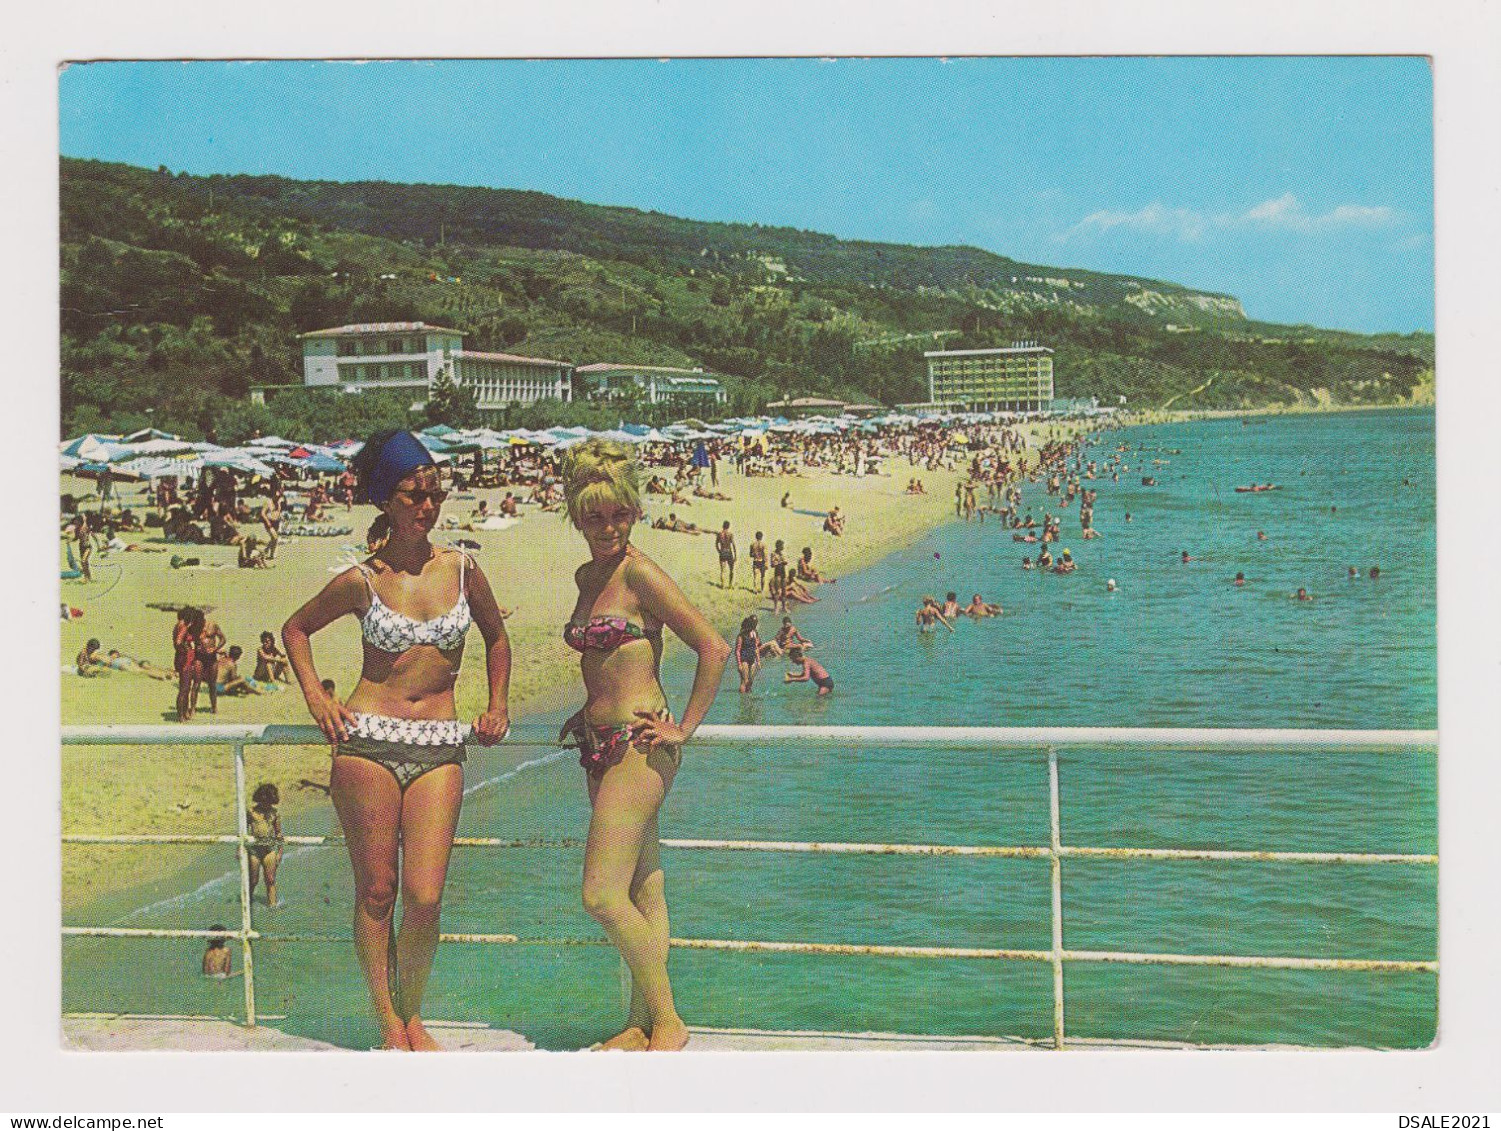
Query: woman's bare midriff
[(416, 684), (621, 682)]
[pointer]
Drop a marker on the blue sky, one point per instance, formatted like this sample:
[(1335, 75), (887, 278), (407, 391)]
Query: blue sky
[(1304, 186)]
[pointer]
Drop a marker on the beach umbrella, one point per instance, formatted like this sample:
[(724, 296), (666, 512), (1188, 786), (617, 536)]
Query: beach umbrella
[(237, 459), (158, 446), (323, 463), (92, 470), (150, 434), (441, 430), (95, 448), (155, 467), (272, 442)]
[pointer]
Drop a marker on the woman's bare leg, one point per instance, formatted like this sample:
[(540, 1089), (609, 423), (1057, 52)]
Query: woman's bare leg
[(273, 858), (368, 802), (626, 802), (429, 815)]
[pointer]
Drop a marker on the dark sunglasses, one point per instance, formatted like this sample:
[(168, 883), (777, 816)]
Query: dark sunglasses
[(417, 498)]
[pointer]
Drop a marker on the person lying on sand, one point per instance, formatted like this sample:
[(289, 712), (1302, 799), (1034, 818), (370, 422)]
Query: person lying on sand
[(122, 663), (90, 661), (676, 525), (702, 494)]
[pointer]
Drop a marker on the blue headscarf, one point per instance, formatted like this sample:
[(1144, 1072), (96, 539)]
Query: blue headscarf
[(386, 459)]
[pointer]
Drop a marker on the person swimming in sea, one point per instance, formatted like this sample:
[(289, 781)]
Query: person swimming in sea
[(1240, 579), (1065, 563), (928, 613), (218, 962), (951, 605), (978, 608), (1302, 595)]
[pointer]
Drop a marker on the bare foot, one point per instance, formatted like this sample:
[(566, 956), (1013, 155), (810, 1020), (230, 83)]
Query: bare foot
[(393, 1034), (630, 1039), (421, 1040), (669, 1036)]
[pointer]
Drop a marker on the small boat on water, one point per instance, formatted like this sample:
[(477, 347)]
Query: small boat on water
[(1257, 488)]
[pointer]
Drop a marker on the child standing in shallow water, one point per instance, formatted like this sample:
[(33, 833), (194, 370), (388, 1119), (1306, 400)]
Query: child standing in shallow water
[(808, 670)]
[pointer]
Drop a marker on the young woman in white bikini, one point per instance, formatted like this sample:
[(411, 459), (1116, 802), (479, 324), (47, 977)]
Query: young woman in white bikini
[(397, 780)]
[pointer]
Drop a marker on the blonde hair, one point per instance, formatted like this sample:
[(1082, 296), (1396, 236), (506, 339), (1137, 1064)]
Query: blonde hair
[(600, 471)]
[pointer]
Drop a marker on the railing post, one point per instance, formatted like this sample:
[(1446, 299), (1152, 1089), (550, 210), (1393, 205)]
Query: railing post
[(247, 957), (1056, 863)]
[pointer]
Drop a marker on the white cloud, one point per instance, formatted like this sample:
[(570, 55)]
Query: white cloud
[(1282, 213), (1184, 223), (1287, 211)]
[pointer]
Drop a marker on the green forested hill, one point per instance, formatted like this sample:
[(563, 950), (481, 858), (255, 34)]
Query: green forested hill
[(180, 292)]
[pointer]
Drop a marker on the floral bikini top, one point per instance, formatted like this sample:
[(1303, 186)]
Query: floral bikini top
[(384, 628), (605, 634)]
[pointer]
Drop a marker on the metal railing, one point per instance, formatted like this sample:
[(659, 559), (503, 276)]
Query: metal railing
[(1049, 739)]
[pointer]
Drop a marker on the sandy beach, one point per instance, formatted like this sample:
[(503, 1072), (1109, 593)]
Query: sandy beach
[(190, 790)]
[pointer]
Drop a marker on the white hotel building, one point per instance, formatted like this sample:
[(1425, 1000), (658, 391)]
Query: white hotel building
[(412, 355)]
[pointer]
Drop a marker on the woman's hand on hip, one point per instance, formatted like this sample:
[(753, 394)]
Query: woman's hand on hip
[(333, 718), (657, 728)]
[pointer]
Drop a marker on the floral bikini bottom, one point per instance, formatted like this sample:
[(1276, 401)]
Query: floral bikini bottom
[(601, 747)]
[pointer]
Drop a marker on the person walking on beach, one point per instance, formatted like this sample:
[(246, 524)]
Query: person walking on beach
[(757, 554), (85, 543), (397, 779), (724, 542), (630, 746), (747, 654), (779, 577)]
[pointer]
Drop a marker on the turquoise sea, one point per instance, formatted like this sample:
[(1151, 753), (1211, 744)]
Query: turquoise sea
[(1177, 645)]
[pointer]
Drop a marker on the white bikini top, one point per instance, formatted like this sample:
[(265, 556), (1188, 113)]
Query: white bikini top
[(384, 628)]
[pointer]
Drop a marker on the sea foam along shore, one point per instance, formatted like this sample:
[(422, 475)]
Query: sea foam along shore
[(530, 565)]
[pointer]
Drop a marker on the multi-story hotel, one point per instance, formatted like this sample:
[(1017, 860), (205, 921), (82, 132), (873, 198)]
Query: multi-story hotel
[(655, 384), (1017, 379), (412, 355)]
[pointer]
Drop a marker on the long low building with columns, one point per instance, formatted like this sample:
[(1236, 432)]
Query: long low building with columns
[(413, 355)]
